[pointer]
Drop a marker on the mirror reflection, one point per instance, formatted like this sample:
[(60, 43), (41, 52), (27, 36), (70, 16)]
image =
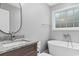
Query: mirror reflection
[(12, 14)]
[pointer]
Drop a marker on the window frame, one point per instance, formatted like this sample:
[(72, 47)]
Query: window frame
[(61, 10)]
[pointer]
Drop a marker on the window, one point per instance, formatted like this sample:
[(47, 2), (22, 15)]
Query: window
[(67, 18)]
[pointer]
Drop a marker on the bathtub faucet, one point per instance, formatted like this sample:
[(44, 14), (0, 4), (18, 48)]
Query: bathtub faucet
[(68, 39)]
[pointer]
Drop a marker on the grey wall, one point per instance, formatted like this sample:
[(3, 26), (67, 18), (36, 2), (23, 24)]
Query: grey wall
[(34, 15), (58, 34)]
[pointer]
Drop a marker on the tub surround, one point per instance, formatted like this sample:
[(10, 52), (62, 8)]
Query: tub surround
[(6, 50)]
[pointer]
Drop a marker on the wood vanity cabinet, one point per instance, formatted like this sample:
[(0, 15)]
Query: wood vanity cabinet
[(30, 50)]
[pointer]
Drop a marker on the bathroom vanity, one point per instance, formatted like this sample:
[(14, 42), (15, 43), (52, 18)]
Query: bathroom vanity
[(25, 49)]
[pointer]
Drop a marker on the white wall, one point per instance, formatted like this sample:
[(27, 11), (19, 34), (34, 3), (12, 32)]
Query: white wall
[(34, 15), (58, 34)]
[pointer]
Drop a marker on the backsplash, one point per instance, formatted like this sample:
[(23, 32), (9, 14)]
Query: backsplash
[(19, 36), (8, 37), (2, 38)]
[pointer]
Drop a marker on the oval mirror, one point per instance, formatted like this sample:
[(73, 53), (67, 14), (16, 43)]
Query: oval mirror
[(10, 17)]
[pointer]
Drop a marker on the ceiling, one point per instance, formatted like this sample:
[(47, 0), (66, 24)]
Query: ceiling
[(52, 4)]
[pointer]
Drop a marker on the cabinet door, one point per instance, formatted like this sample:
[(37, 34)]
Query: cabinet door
[(24, 51)]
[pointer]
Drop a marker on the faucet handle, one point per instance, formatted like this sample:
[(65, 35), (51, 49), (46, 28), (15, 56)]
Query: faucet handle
[(66, 35)]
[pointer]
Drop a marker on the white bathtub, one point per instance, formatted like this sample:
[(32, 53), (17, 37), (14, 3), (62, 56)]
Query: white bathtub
[(61, 48)]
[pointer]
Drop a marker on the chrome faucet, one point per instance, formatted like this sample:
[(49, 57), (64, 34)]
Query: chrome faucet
[(12, 36), (68, 39)]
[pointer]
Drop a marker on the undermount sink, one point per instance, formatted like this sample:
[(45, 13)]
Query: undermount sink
[(15, 43)]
